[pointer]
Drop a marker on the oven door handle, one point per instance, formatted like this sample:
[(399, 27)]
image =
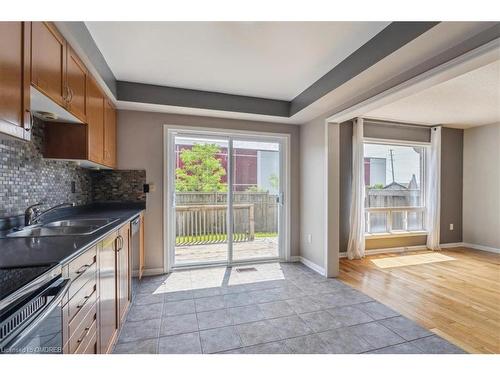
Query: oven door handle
[(63, 288)]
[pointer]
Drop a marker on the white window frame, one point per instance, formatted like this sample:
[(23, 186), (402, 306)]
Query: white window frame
[(389, 210), (169, 133)]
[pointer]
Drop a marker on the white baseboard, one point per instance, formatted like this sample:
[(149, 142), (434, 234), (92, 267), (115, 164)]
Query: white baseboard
[(481, 247), (423, 247), (149, 272), (388, 250), (308, 263), (450, 245)]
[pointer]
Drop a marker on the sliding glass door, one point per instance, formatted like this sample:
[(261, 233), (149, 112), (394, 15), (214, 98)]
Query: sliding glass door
[(256, 193), (201, 197), (226, 204)]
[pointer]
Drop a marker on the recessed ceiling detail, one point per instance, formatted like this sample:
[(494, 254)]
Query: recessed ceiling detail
[(271, 71), (273, 60), (471, 99)]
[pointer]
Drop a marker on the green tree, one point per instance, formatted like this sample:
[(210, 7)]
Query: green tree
[(201, 170), (274, 181)]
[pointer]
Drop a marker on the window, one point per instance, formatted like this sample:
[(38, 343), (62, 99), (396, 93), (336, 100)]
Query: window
[(394, 181)]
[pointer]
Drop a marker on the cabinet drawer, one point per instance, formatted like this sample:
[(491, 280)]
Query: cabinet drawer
[(84, 330), (81, 302), (89, 343), (78, 266), (90, 274)]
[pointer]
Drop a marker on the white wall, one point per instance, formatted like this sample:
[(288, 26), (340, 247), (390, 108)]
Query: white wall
[(140, 146), (313, 156), (481, 189)]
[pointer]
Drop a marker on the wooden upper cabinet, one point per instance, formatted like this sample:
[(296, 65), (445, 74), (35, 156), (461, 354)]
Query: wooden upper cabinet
[(15, 79), (109, 134), (58, 72), (95, 122), (76, 82), (48, 61)]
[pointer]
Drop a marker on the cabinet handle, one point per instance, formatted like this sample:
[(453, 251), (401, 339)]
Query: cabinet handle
[(28, 128), (85, 333), (65, 94), (80, 305), (70, 91), (83, 268), (119, 240)]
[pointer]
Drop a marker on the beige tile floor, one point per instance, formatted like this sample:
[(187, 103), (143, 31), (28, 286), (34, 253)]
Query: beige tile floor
[(276, 308)]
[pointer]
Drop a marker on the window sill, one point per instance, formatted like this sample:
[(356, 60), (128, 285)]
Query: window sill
[(395, 234)]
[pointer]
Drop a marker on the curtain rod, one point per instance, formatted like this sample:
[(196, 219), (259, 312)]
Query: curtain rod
[(394, 123)]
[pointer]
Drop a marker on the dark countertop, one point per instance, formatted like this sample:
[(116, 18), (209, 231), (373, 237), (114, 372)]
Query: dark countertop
[(25, 252)]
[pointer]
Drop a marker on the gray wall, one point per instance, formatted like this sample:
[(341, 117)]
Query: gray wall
[(396, 131), (451, 181), (312, 191), (140, 146), (481, 218), (452, 151)]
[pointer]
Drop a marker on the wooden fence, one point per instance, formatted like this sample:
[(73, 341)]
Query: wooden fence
[(207, 224), (266, 208)]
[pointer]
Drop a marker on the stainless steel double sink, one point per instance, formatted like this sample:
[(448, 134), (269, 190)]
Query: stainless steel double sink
[(71, 227)]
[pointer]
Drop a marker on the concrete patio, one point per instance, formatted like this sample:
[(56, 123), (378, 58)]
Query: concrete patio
[(264, 247)]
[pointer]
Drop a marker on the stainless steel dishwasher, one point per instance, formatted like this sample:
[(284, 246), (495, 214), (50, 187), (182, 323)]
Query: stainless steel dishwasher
[(135, 239)]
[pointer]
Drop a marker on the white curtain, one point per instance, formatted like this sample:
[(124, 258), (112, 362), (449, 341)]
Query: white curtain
[(433, 190), (356, 245)]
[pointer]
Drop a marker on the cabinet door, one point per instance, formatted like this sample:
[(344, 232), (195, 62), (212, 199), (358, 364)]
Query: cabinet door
[(48, 61), (108, 324), (95, 121), (123, 269), (14, 78), (109, 134), (76, 78)]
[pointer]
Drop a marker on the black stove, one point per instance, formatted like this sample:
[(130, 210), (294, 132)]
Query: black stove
[(30, 303), (14, 278)]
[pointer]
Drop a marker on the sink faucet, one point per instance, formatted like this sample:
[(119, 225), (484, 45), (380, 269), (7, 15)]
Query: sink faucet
[(33, 213)]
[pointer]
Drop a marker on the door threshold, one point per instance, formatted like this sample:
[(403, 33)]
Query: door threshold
[(225, 264)]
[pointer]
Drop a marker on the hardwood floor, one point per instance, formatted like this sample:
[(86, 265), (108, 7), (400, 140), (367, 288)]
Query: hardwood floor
[(458, 298)]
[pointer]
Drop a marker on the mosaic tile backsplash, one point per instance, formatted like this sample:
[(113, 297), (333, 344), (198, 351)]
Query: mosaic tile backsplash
[(26, 178), (118, 185)]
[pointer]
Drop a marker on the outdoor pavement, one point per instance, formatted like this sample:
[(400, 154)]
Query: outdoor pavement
[(275, 308), (265, 247)]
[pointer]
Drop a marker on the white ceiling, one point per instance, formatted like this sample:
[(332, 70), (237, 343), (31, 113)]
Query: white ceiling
[(469, 100), (275, 60)]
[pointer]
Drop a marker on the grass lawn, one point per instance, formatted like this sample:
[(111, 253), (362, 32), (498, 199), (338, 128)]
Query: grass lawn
[(207, 238)]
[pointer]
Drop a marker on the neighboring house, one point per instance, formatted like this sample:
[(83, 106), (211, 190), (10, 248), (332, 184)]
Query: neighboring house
[(375, 171), (252, 168)]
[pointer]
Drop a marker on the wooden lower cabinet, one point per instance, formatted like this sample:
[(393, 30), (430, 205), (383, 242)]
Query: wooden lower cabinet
[(80, 305), (99, 295)]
